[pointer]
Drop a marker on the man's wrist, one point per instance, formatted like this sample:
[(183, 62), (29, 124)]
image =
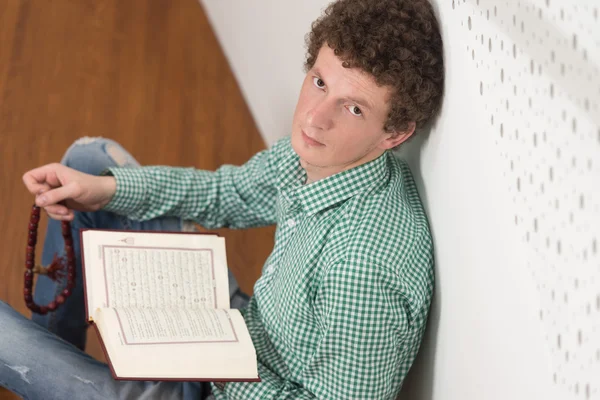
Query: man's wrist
[(109, 188), (128, 190)]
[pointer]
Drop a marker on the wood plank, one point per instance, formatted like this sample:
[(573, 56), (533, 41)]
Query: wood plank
[(149, 74)]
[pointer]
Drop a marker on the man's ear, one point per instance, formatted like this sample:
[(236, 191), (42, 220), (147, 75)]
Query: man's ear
[(398, 137)]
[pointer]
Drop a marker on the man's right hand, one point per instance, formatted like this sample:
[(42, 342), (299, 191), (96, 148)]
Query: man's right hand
[(60, 190)]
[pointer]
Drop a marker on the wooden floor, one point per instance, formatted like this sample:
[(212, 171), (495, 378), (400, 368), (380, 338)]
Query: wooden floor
[(148, 73)]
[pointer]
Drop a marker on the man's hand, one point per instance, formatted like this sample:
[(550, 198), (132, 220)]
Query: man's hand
[(60, 189)]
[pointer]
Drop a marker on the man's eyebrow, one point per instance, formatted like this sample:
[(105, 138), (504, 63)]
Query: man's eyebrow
[(359, 101)]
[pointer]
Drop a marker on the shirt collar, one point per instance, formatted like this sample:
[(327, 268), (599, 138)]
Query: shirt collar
[(331, 190)]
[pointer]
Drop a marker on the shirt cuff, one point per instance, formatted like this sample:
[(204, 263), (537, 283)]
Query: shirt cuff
[(131, 189)]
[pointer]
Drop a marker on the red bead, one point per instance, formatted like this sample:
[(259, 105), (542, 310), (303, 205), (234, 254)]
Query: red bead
[(35, 210), (28, 298), (69, 241), (66, 292), (30, 249), (32, 306), (29, 264), (60, 299), (31, 241), (26, 291), (52, 306), (43, 310), (70, 285)]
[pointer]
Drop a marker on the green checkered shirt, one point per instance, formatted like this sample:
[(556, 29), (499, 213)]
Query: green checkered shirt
[(340, 308)]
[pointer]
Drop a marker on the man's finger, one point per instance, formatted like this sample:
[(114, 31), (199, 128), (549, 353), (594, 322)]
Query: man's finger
[(41, 179), (59, 217), (33, 185), (57, 209)]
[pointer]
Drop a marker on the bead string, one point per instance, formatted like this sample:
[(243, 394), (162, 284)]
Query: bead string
[(54, 271)]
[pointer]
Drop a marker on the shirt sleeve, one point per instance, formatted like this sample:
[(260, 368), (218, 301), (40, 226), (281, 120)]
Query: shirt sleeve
[(232, 196), (372, 332), (370, 338), (271, 387)]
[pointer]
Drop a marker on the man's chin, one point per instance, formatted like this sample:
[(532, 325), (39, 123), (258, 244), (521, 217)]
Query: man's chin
[(305, 152), (311, 162), (298, 145)]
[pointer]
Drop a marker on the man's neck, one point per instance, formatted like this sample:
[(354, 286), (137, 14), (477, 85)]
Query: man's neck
[(315, 173)]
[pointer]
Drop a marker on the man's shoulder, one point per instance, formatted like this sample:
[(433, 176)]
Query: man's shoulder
[(279, 152), (282, 146), (390, 222), (389, 230)]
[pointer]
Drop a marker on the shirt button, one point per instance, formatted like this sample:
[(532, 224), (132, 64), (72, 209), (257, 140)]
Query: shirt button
[(291, 223)]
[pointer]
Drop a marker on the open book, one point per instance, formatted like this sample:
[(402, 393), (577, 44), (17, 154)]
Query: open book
[(160, 304)]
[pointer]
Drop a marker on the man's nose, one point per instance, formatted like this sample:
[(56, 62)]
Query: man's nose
[(321, 115)]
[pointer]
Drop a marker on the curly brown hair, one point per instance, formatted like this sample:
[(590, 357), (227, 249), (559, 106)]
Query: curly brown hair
[(396, 41)]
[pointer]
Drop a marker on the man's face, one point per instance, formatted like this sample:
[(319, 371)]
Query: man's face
[(339, 117)]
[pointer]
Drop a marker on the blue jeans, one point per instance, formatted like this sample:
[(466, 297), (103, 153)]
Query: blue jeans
[(43, 358)]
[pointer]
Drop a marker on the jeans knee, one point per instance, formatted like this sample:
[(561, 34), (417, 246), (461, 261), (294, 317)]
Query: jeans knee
[(7, 317), (4, 306), (92, 155)]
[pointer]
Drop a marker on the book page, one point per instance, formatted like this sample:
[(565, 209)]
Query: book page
[(175, 325), (182, 359), (153, 270), (158, 277)]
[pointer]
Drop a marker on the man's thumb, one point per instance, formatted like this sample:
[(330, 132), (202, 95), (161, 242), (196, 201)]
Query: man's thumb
[(57, 195)]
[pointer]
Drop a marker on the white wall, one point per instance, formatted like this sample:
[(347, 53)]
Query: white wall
[(510, 176), (266, 56)]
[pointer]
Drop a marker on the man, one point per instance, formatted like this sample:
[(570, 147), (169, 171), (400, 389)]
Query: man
[(340, 308)]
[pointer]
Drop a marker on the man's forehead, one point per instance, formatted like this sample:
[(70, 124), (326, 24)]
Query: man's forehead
[(327, 60), (330, 67)]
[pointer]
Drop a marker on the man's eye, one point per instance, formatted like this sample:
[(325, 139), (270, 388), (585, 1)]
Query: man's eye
[(355, 110), (318, 82)]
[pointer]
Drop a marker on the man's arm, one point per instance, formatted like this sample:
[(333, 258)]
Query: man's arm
[(232, 196), (372, 334)]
